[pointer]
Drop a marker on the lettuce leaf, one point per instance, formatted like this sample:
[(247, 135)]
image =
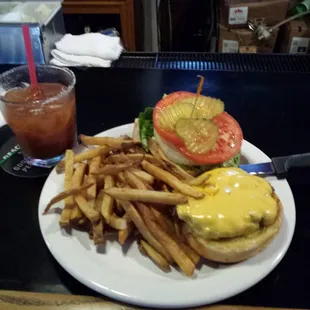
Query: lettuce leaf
[(146, 127)]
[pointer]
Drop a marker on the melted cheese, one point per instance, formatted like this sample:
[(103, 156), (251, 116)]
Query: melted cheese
[(236, 204)]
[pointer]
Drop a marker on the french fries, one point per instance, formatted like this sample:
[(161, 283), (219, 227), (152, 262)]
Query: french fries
[(177, 228), (140, 224), (121, 177), (124, 234), (106, 141), (201, 179), (98, 236), (146, 196), (160, 261), (167, 225), (112, 169), (133, 180), (128, 145), (122, 158), (69, 202), (117, 223), (168, 243), (65, 194), (98, 228), (118, 186), (107, 201), (77, 180), (118, 207), (89, 154), (91, 194), (100, 181), (144, 176), (171, 180), (92, 191), (163, 221), (99, 199), (87, 209)]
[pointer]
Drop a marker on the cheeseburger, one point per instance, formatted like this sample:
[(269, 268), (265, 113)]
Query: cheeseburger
[(240, 213)]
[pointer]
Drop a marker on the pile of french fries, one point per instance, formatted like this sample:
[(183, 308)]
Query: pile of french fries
[(115, 185)]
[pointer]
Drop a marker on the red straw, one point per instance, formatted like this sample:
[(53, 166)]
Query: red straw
[(29, 54)]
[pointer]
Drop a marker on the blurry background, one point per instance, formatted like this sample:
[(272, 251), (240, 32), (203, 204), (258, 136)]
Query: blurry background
[(165, 25), (194, 25)]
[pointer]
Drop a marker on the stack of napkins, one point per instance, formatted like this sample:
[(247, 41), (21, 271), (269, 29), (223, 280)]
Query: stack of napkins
[(89, 49)]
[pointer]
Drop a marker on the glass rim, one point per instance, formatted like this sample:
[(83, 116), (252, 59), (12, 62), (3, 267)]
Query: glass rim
[(48, 100)]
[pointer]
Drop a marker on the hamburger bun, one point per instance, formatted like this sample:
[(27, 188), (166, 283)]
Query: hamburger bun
[(237, 249)]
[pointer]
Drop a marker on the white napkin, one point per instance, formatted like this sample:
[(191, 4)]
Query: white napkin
[(91, 44), (62, 59)]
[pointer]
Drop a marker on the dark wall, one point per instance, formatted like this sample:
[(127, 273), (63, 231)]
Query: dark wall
[(191, 24), (76, 23)]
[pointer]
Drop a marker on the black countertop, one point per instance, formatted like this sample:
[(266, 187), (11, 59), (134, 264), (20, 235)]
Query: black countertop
[(274, 112)]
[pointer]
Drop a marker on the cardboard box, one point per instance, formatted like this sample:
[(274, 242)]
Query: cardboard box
[(236, 13), (243, 40), (295, 37)]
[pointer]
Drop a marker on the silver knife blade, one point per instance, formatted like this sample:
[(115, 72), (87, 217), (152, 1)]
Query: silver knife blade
[(263, 169)]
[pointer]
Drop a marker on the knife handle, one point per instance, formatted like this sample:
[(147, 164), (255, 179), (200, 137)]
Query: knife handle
[(283, 164)]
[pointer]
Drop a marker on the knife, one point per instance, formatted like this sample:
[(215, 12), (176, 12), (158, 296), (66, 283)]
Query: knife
[(279, 166)]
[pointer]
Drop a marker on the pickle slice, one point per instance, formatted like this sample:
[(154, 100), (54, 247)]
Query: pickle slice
[(208, 107), (172, 113), (199, 135)]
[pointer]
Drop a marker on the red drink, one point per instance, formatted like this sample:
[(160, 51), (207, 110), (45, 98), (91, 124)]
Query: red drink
[(43, 119), (42, 130)]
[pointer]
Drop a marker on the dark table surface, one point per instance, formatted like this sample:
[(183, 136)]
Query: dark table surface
[(273, 110)]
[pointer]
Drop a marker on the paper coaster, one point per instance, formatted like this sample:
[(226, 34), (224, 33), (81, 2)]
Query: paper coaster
[(14, 163)]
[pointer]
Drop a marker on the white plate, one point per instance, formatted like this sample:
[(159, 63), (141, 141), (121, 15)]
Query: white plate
[(126, 275)]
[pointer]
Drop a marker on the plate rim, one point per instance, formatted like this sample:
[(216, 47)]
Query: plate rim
[(140, 301)]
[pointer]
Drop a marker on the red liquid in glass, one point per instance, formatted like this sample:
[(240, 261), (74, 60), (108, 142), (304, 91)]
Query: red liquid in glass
[(43, 129)]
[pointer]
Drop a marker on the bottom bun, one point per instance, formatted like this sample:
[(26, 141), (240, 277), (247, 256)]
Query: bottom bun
[(236, 249)]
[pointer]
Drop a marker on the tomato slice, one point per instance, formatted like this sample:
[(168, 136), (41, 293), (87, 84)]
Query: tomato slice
[(170, 99), (227, 146), (228, 143)]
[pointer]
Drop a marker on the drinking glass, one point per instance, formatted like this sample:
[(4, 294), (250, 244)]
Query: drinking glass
[(43, 116)]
